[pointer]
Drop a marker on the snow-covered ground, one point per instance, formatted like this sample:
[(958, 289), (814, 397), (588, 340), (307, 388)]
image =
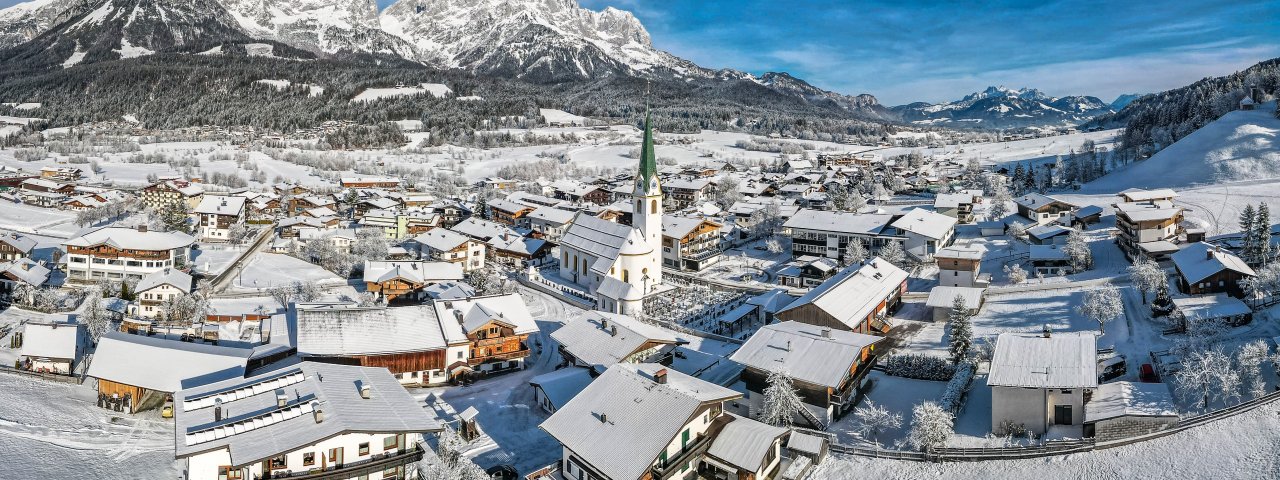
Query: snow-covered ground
[(272, 269), (435, 89), (20, 217), (213, 259)]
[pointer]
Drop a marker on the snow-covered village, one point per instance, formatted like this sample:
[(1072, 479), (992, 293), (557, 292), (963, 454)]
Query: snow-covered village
[(520, 239)]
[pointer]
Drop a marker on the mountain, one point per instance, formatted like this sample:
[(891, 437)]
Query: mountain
[(1001, 107), (321, 26), (1124, 100), (786, 84)]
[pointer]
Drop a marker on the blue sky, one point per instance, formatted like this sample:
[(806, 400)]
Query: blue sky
[(903, 51)]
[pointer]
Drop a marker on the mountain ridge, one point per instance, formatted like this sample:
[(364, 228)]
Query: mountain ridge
[(1003, 107)]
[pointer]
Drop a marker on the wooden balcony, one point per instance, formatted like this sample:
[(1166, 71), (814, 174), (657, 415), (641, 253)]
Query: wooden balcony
[(497, 357), (406, 458)]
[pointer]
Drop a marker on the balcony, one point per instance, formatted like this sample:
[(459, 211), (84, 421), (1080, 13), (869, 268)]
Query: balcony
[(691, 452), (498, 357), (700, 254), (375, 464)]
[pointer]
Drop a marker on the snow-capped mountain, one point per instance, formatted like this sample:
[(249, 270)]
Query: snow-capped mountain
[(1124, 100), (323, 26), (25, 21), (1001, 107), (784, 83)]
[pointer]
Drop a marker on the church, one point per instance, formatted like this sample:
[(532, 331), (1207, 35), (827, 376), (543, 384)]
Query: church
[(620, 264)]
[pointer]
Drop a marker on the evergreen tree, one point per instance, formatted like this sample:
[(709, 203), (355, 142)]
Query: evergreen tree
[(1262, 235), (781, 401), (961, 330), (1248, 232)]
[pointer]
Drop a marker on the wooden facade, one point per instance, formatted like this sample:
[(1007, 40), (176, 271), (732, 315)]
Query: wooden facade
[(1227, 281), (496, 342), (135, 394), (869, 322), (395, 362), (394, 288), (107, 251)]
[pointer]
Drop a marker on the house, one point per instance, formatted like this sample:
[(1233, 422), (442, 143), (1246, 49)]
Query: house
[(65, 174), (682, 193), (1041, 380), (22, 271), (52, 347), (1049, 260), (551, 222), (385, 183), (858, 299), (508, 212), (1203, 268), (827, 367), (640, 421), (1042, 209), (554, 389), (120, 253), (15, 245), (744, 449), (955, 205), (600, 339), (808, 272), (313, 419), (291, 189), (1138, 195), (391, 280), (1127, 409), (1048, 234), (493, 329), (827, 234), (1148, 228), (216, 214), (157, 288), (341, 239), (292, 226), (942, 300), (406, 340), (925, 232), (1085, 216), (444, 245), (690, 244), (162, 194), (136, 372), (303, 203), (960, 266), (519, 251), (1217, 307)]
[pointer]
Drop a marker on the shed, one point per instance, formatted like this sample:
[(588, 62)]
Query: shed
[(942, 299), (51, 347), (467, 426), (1126, 409), (1213, 307), (146, 369)]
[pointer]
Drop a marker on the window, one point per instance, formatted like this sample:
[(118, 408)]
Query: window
[(392, 442), (229, 473), (653, 206), (308, 459), (459, 354), (279, 462), (626, 275), (364, 448)]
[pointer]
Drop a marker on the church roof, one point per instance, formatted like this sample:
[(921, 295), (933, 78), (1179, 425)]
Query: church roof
[(648, 161)]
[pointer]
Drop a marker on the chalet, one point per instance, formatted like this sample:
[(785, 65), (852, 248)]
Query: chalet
[(1049, 260), (682, 193), (119, 253), (451, 212), (508, 212), (745, 449), (793, 166), (1041, 380), (47, 186), (157, 288), (312, 419), (1148, 228), (690, 243), (827, 367), (386, 183), (22, 271), (519, 251), (1203, 268), (15, 245), (827, 234), (136, 372), (216, 215), (956, 205), (391, 280), (65, 174), (551, 222), (942, 300), (497, 183), (1217, 307), (162, 194), (80, 203), (600, 339), (52, 347), (300, 204), (406, 340), (859, 299), (340, 238), (961, 266), (1042, 209), (1138, 195), (641, 421), (444, 245), (289, 189), (808, 272), (494, 330), (925, 232), (293, 226), (554, 389), (262, 208)]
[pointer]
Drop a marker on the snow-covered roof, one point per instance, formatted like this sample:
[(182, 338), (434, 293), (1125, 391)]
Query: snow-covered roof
[(415, 271), (678, 227), (806, 443), (552, 215), (51, 340), (926, 223), (449, 291), (1063, 360), (853, 293), (1035, 201), (839, 222), (441, 239), (169, 276), (460, 317), (1128, 399), (1047, 231), (483, 229), (1142, 195), (1147, 212), (807, 353), (19, 242), (687, 184), (961, 252), (562, 385), (602, 338), (132, 239), (1211, 306), (772, 300), (343, 330), (1047, 253), (26, 270), (744, 442), (164, 365), (952, 200), (508, 206), (945, 296), (1199, 261), (220, 205), (627, 410), (255, 427), (603, 239), (517, 244)]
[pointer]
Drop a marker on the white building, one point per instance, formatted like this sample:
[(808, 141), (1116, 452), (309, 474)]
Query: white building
[(925, 232), (961, 266), (620, 264), (446, 245), (119, 253), (1040, 380), (334, 420), (216, 214), (51, 347), (156, 288), (600, 339)]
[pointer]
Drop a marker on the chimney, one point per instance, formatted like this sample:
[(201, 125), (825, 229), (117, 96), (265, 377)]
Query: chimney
[(604, 418), (660, 376), (366, 390), (217, 409), (613, 331), (1208, 253), (281, 398), (1046, 332), (788, 345), (826, 333), (317, 412), (142, 228)]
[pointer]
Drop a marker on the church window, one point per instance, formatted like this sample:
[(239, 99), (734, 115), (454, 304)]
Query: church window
[(626, 277), (653, 206)]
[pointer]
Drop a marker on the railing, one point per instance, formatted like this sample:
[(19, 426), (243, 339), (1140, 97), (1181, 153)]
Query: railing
[(544, 473), (498, 357), (701, 254), (377, 463), (690, 452)]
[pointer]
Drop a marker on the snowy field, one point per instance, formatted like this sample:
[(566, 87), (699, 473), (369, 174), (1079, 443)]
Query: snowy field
[(20, 217), (213, 259), (272, 269)]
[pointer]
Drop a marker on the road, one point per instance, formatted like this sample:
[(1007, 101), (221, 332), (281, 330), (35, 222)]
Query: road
[(223, 280)]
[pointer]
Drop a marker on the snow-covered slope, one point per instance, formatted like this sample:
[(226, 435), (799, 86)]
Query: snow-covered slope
[(25, 21), (327, 26), (1001, 107), (1242, 145)]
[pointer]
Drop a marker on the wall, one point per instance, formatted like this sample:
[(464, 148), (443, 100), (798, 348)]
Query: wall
[(205, 466), (1125, 427)]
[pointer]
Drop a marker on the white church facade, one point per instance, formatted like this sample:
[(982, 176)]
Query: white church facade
[(620, 264)]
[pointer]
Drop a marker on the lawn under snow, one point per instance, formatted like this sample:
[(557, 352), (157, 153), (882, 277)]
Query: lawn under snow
[(312, 90), (435, 89), (552, 115), (20, 217), (272, 269)]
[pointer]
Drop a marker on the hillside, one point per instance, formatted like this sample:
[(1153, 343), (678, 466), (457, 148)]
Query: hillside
[(1241, 145)]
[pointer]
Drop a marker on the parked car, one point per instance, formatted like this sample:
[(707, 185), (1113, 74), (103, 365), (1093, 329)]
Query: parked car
[(1111, 368), (1148, 374)]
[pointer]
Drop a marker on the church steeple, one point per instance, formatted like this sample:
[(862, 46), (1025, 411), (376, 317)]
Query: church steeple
[(648, 173)]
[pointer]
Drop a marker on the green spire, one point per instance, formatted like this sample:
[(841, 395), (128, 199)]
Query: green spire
[(648, 163)]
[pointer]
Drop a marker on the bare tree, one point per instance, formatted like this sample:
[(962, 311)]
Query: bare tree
[(1102, 305)]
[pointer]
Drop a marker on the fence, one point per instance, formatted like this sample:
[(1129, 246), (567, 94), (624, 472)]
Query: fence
[(44, 376)]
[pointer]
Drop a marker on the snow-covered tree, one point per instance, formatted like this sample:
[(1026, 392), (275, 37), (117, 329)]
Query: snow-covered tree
[(961, 330), (1147, 276), (95, 315), (892, 252), (781, 401), (931, 426), (725, 192), (1262, 251), (1018, 230), (370, 244), (1207, 375), (998, 191), (873, 419), (1077, 249), (185, 308), (855, 251), (451, 464), (1102, 305), (1015, 273), (1249, 360)]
